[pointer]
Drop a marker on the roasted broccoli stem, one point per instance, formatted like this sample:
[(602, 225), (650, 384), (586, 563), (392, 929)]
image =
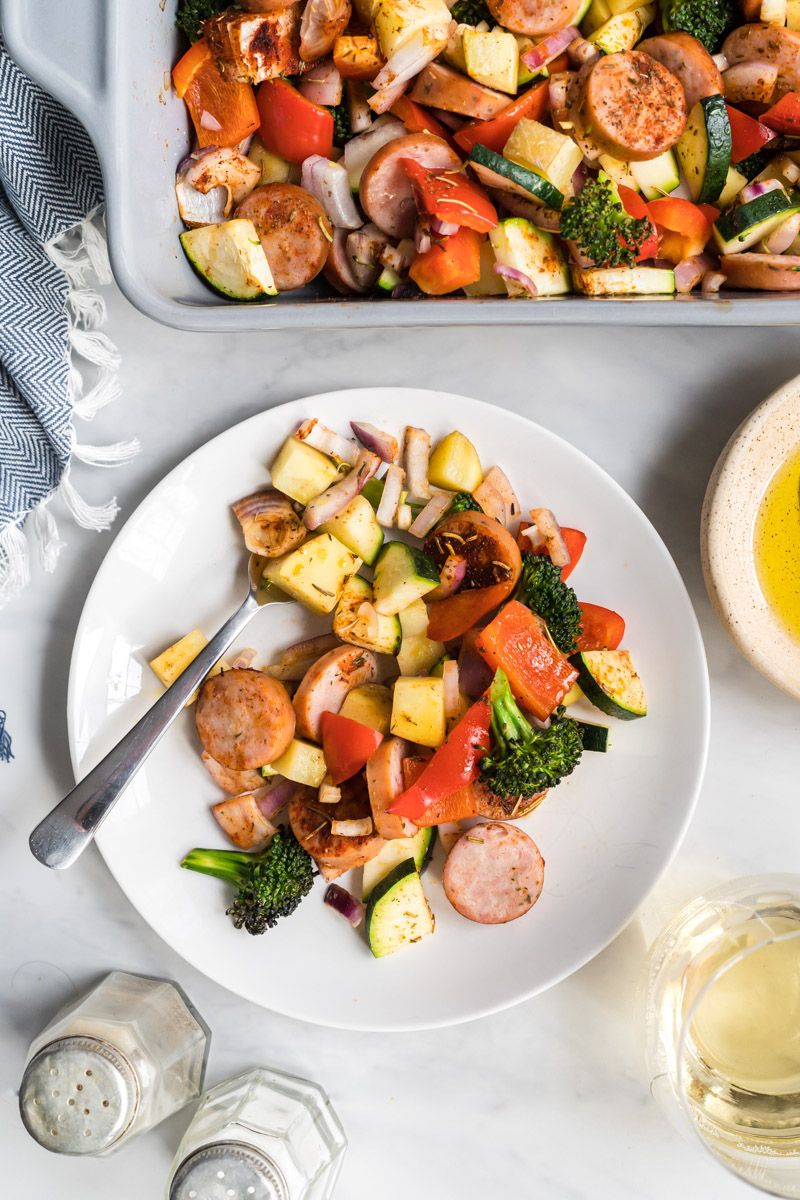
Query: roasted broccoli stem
[(471, 12), (523, 761), (603, 231), (270, 885), (710, 21), (464, 502), (544, 592), (192, 13)]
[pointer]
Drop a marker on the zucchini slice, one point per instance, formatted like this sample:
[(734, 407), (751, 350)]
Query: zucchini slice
[(355, 629), (595, 737), (419, 849), (398, 912), (496, 171), (704, 149), (402, 575), (610, 683), (229, 257), (742, 227)]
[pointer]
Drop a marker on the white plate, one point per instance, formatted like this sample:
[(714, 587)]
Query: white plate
[(607, 833)]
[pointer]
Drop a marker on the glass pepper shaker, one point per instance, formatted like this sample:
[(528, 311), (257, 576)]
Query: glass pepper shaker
[(263, 1135), (113, 1064)]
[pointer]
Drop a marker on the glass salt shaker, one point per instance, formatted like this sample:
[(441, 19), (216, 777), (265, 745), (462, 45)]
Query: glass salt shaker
[(263, 1135), (113, 1064)]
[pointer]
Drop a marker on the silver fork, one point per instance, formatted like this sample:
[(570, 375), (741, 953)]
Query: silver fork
[(67, 830)]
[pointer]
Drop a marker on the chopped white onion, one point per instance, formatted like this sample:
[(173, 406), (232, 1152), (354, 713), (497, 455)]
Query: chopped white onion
[(443, 228), (393, 482), (404, 516), (244, 659), (552, 536), (328, 793), (401, 67), (359, 827), (720, 62), (328, 182), (416, 453), (452, 698), (337, 497), (712, 282), (780, 239), (690, 271), (359, 150), (322, 84), (436, 507), (328, 441), (497, 497)]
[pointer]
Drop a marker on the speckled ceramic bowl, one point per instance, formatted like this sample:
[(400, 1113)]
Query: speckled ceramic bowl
[(760, 445)]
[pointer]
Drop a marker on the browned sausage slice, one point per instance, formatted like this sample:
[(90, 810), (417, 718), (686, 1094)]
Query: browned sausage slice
[(232, 782), (773, 44), (493, 874), (327, 682), (387, 196), (503, 808), (762, 272), (339, 270), (311, 823), (293, 229), (244, 719), (536, 18), (687, 58), (442, 87), (631, 106), (385, 783)]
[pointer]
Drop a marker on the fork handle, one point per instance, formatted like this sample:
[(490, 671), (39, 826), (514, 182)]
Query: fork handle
[(66, 831)]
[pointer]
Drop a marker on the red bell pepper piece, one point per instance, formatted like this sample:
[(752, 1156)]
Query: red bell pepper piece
[(453, 766), (292, 126), (223, 111), (747, 135), (784, 117), (603, 629), (458, 806), (516, 642), (450, 264), (683, 228), (573, 538), (451, 196), (417, 119), (636, 207), (347, 745), (495, 133)]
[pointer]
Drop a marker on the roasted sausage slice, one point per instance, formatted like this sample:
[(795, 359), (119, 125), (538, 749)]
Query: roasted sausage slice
[(493, 874), (339, 268), (442, 87), (762, 272), (244, 719), (630, 106), (293, 229), (243, 821), (385, 782), (387, 196), (772, 43), (311, 823), (687, 58), (232, 782), (536, 18), (327, 682)]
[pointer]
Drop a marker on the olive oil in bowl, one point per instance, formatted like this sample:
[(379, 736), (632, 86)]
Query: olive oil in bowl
[(776, 544)]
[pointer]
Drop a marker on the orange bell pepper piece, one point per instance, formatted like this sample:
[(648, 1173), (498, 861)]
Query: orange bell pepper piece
[(516, 642), (450, 264), (223, 111), (417, 119), (683, 228)]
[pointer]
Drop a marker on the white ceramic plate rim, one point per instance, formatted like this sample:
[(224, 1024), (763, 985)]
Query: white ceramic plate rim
[(474, 409)]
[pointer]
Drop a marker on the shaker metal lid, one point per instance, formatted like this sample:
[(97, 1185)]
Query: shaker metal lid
[(228, 1171), (78, 1096)]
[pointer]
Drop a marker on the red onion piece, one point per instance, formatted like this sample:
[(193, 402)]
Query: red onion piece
[(393, 482), (497, 497), (363, 250), (516, 276), (422, 239), (275, 796), (550, 530), (400, 257), (380, 443), (329, 183), (549, 48), (436, 507), (579, 177), (411, 58), (690, 271), (779, 241), (313, 647), (322, 22), (558, 89), (359, 150), (452, 698), (451, 577), (341, 901), (322, 84), (209, 121), (750, 82), (582, 52), (443, 228), (356, 827), (474, 674), (339, 495), (383, 100), (752, 190), (712, 282), (416, 452), (327, 441)]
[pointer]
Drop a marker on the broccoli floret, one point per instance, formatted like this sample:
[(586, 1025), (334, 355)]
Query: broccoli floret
[(471, 12), (269, 885), (523, 761), (341, 123), (710, 21), (543, 590), (603, 231), (464, 502), (192, 13)]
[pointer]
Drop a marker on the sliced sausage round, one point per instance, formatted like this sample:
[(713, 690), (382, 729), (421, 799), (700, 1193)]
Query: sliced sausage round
[(387, 196), (762, 272), (503, 808), (311, 824), (688, 59), (493, 874), (244, 719), (630, 105), (385, 782), (339, 266), (772, 43), (327, 682), (536, 18), (294, 231), (232, 782)]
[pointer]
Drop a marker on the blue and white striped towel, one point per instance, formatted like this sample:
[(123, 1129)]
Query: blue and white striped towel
[(51, 241)]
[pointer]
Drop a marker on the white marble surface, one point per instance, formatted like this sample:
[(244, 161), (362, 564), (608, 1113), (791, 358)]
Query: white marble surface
[(547, 1099)]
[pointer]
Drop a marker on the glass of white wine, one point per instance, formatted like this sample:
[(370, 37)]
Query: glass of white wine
[(722, 1025)]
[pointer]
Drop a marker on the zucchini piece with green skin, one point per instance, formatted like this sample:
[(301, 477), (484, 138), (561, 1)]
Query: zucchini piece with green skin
[(747, 224), (357, 528), (657, 176), (354, 629), (609, 681), (623, 281), (595, 737), (398, 912), (704, 149), (496, 171), (229, 257), (521, 245), (419, 849), (402, 575), (373, 490)]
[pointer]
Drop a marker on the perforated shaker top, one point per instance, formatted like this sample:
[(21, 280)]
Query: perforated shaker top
[(78, 1096), (228, 1171)]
